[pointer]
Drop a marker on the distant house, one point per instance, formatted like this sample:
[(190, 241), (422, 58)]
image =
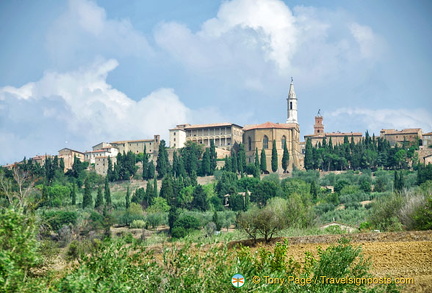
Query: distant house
[(137, 146), (224, 135), (343, 227), (427, 139), (68, 156), (411, 135), (336, 137)]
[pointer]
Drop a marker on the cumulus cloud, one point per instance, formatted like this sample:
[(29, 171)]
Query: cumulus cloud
[(79, 109), (266, 39), (375, 120), (83, 31)]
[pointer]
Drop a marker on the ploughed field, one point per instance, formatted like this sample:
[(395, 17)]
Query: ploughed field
[(395, 255)]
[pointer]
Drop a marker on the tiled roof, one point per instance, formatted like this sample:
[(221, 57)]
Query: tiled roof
[(427, 134), (270, 125), (334, 134), (71, 150), (403, 131), (343, 134), (225, 124), (129, 141)]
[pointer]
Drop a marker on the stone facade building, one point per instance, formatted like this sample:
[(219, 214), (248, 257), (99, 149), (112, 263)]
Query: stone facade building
[(137, 146), (262, 136), (336, 137), (68, 156), (224, 135), (411, 135)]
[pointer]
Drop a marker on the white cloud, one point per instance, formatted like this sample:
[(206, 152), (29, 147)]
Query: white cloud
[(375, 120), (82, 108), (265, 40), (84, 31)]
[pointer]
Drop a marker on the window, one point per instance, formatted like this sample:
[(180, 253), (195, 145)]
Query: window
[(265, 142), (290, 105), (283, 141), (249, 143)]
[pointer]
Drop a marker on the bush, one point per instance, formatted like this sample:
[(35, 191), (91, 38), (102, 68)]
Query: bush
[(18, 249), (138, 224), (178, 232), (58, 219)]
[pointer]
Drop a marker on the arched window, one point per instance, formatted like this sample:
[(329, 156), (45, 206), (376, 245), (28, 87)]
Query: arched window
[(249, 143), (290, 105), (283, 141), (265, 142)]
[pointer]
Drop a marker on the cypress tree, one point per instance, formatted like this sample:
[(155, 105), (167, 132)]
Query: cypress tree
[(99, 198), (110, 174), (200, 200), (205, 163), (175, 165), (285, 158), (228, 164), (87, 197), (149, 193), (257, 162), (213, 157), (162, 163), (155, 188), (145, 163), (151, 170), (274, 157), (241, 158), (309, 157), (263, 161), (127, 198), (217, 222), (234, 162), (73, 193), (107, 193)]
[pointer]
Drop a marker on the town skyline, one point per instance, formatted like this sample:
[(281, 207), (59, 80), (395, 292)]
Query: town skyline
[(76, 73)]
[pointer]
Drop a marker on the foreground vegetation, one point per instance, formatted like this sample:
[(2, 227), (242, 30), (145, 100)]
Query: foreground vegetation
[(49, 216)]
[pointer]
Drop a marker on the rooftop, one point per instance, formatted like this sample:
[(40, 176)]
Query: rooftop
[(270, 125)]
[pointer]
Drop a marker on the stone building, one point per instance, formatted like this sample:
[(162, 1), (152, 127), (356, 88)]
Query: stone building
[(427, 140), (100, 150), (68, 156), (410, 135), (336, 137), (224, 135), (137, 146), (262, 136)]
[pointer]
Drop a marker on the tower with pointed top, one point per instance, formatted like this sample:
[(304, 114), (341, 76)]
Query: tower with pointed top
[(292, 105)]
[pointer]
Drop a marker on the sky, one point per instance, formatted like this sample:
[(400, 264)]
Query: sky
[(76, 73)]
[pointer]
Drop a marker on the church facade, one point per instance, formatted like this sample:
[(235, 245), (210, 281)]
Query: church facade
[(263, 136)]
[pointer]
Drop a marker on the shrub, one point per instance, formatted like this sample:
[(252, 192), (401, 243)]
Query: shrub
[(178, 232), (138, 224), (18, 249), (58, 219)]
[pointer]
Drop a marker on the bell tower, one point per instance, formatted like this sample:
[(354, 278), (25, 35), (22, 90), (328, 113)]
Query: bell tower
[(292, 105), (319, 126)]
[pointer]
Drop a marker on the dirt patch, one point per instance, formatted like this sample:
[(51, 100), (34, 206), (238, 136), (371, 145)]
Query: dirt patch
[(396, 255)]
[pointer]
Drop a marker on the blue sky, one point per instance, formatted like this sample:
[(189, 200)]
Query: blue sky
[(75, 73)]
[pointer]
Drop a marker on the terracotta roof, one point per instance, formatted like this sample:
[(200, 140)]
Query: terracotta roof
[(403, 131), (270, 125), (129, 141), (225, 124), (98, 151), (343, 134), (427, 134), (71, 150)]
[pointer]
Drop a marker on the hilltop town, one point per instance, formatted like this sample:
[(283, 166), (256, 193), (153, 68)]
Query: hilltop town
[(255, 138)]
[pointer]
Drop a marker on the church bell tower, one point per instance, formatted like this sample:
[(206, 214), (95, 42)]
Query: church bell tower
[(292, 105)]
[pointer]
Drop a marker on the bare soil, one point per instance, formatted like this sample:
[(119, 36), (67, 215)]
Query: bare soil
[(396, 255)]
